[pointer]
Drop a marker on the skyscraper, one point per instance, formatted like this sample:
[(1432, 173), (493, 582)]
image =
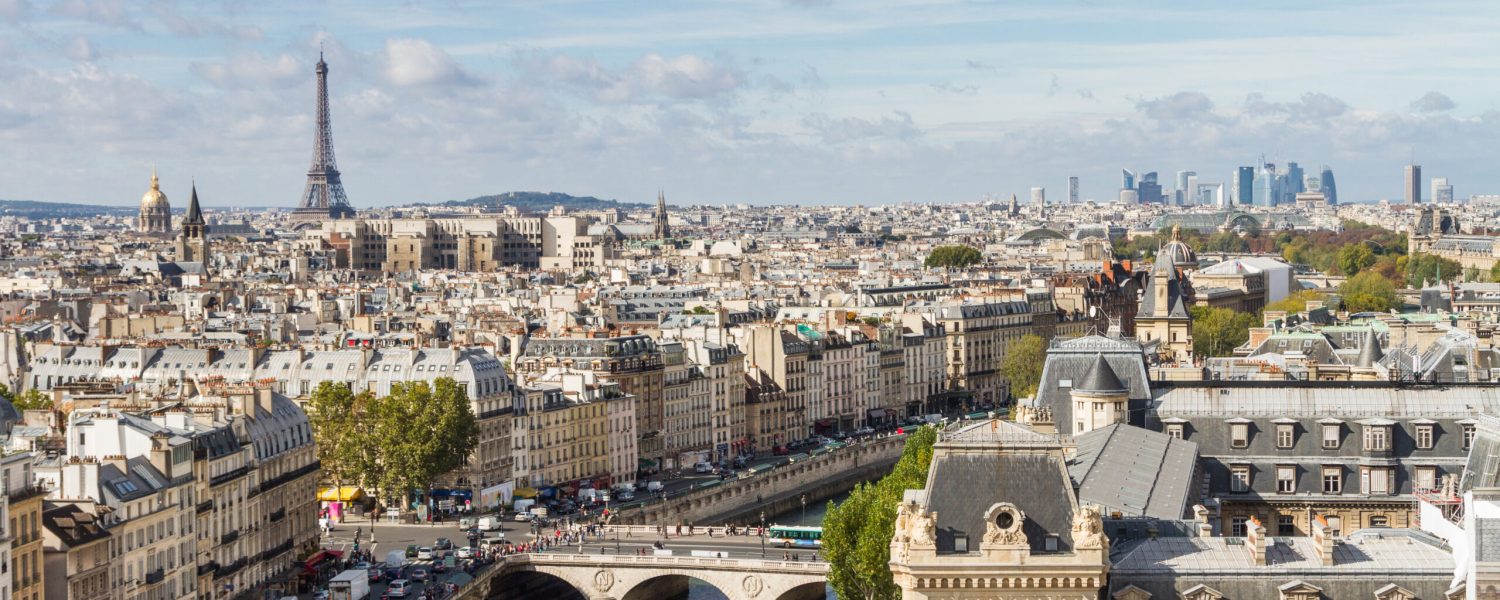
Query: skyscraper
[(1149, 190), (1072, 190), (1127, 179), (1039, 196), (1243, 186), (1325, 182), (1442, 191), (1267, 185), (1183, 194), (1413, 184), (1293, 185)]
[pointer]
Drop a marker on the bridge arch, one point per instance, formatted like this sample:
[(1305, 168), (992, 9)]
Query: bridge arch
[(520, 584), (673, 586), (813, 590)]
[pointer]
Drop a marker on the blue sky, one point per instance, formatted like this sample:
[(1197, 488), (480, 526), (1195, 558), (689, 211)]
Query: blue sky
[(760, 101)]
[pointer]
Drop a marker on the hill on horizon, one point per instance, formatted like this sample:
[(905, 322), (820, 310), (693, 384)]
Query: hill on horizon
[(544, 201)]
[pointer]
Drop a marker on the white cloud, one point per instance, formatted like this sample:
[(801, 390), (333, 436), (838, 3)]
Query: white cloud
[(416, 62), (80, 49), (1433, 102), (109, 12), (898, 126), (14, 10), (651, 78), (253, 70)]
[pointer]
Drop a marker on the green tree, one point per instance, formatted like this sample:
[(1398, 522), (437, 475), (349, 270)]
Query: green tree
[(422, 431), (32, 400), (1368, 291), (1495, 271), (1226, 241), (1022, 364), (340, 421), (953, 257), (1426, 269), (1353, 258), (1296, 302), (1218, 331), (857, 532)]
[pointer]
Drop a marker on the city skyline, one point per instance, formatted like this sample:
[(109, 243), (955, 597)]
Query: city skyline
[(758, 102)]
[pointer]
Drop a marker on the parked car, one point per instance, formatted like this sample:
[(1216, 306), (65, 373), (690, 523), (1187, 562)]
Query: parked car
[(467, 523), (398, 589), (424, 553), (439, 567), (419, 574), (624, 496)]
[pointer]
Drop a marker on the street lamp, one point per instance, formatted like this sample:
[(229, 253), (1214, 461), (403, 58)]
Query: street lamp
[(762, 534), (804, 509)]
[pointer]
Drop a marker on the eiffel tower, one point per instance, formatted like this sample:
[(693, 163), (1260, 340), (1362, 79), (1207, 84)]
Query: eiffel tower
[(323, 198)]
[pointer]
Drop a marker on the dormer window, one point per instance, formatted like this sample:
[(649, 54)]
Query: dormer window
[(1377, 438), (1284, 435), (1239, 433)]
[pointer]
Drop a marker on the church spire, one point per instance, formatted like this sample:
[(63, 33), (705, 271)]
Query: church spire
[(662, 230), (194, 213)]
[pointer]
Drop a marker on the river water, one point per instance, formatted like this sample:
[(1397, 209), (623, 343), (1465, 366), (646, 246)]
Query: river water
[(698, 590)]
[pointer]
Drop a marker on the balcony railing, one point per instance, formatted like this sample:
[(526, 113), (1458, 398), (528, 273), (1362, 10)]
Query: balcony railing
[(229, 537), (274, 482), (281, 548), (229, 569), (205, 506), (278, 514), (230, 476), (207, 568), (155, 576)]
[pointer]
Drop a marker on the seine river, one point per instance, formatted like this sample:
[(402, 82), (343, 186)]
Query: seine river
[(698, 590)]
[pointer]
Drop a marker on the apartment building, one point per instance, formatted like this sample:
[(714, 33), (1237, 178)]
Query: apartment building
[(143, 472), (688, 405), (723, 368), (24, 505), (77, 547), (631, 360)]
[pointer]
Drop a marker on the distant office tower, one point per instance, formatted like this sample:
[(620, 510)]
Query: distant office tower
[(1211, 194), (1442, 191), (1183, 194), (1129, 196), (1039, 196), (1242, 185), (1149, 190), (1413, 184), (1190, 192), (1293, 180), (1267, 185), (1072, 190), (1326, 185), (1127, 179)]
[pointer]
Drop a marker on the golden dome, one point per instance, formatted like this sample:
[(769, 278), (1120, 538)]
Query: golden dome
[(154, 197)]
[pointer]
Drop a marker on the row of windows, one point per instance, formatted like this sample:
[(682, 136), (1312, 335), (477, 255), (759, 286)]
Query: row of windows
[(1374, 481), (1375, 437)]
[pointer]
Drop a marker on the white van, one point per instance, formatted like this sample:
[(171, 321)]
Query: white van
[(654, 486), (489, 523), (703, 467)]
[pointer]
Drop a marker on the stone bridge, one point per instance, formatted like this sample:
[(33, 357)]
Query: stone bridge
[(560, 576), (777, 490)]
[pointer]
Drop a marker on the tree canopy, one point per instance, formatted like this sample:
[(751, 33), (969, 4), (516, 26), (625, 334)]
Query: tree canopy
[(1368, 291), (857, 532), (1022, 364), (1296, 302), (1426, 269), (1218, 331), (397, 443), (953, 257)]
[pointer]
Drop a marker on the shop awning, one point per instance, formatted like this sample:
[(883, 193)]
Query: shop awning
[(525, 492), (321, 556), (646, 463), (348, 493), (877, 413)]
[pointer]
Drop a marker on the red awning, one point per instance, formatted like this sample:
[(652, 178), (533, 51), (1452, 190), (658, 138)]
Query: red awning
[(320, 556)]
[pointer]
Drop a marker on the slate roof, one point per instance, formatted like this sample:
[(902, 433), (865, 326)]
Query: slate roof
[(1134, 471), (1068, 362), (1483, 467), (73, 526), (1368, 561), (1100, 378), (961, 487)]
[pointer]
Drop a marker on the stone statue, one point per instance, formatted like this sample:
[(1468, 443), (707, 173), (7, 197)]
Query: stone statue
[(924, 528), (1088, 528), (903, 522)]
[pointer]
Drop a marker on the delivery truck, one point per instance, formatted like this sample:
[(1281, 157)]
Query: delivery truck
[(353, 584)]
